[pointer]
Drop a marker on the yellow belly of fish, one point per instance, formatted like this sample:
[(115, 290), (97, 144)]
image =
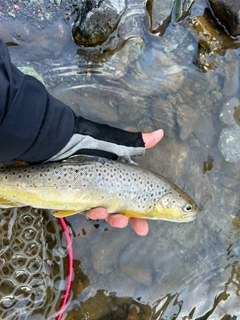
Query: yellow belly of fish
[(68, 202)]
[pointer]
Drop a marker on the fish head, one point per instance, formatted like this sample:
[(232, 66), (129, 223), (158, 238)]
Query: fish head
[(176, 206)]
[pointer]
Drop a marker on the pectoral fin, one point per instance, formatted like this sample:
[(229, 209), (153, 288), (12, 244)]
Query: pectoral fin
[(64, 213), (134, 214)]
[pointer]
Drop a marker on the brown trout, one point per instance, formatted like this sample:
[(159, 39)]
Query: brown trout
[(73, 187)]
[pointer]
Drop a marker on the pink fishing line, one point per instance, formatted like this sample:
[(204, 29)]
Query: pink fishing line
[(66, 295)]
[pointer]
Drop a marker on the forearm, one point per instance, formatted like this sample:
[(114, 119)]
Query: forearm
[(36, 127), (33, 124)]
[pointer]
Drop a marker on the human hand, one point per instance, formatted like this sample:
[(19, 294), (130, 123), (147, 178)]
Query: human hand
[(140, 226)]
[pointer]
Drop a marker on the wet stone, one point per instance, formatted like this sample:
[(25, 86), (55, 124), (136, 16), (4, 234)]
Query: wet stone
[(144, 76), (187, 118), (229, 143), (105, 252), (209, 35), (137, 270), (231, 81), (159, 13), (227, 113), (182, 9), (96, 20), (205, 130), (188, 234), (121, 58), (35, 43), (228, 13)]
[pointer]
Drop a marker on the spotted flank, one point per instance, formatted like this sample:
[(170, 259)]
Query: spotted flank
[(75, 186)]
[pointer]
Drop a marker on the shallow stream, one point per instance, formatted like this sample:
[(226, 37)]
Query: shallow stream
[(178, 271)]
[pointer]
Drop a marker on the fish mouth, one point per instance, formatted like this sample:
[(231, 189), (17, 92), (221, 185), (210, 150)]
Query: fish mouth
[(188, 219)]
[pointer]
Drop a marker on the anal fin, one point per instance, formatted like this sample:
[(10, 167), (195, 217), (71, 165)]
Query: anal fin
[(64, 213)]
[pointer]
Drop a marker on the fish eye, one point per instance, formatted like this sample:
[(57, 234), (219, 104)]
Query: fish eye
[(187, 208)]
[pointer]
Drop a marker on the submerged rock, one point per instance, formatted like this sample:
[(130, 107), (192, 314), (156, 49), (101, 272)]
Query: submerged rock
[(34, 43), (159, 13), (96, 20), (205, 130), (209, 35), (187, 118), (228, 13), (227, 113), (144, 76), (120, 59), (231, 81), (182, 8), (229, 143), (138, 270)]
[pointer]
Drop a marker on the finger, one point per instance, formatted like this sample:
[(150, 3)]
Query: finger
[(117, 220), (97, 213), (140, 226), (151, 139)]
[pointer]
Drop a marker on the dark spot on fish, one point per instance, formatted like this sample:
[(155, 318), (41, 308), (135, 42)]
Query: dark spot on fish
[(77, 171)]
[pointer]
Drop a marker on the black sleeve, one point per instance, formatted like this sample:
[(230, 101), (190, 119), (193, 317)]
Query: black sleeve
[(36, 127), (33, 124)]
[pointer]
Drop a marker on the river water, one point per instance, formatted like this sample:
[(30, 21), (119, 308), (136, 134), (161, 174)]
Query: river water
[(178, 271)]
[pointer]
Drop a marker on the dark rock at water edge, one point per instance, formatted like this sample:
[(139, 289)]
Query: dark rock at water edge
[(228, 13), (96, 20), (159, 13)]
